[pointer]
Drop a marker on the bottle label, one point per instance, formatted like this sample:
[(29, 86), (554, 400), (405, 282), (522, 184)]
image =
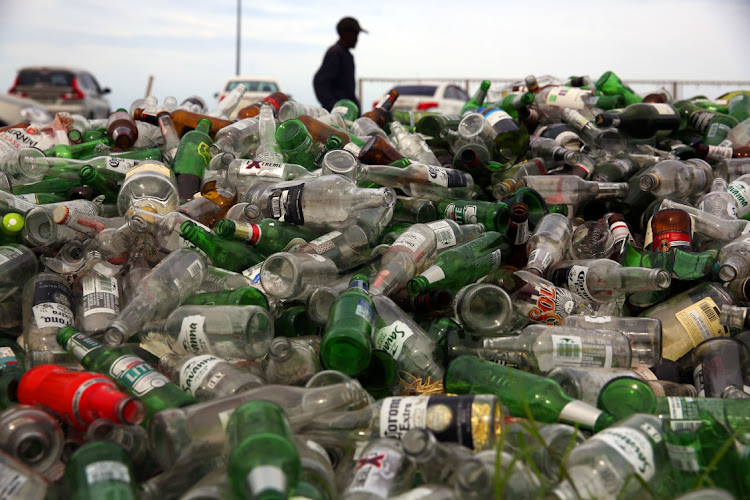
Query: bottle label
[(684, 457), (261, 169), (446, 177), (7, 358), (192, 337), (9, 253), (342, 110), (597, 319), (443, 233), (285, 204), (194, 372), (700, 120), (545, 304), (663, 108), (409, 241), (684, 413), (698, 380), (11, 481), (496, 116), (52, 305), (433, 274), (391, 338), (572, 350), (148, 167), (136, 375), (466, 214), (352, 148), (25, 202), (489, 262), (365, 311), (741, 191), (522, 233), (534, 256), (577, 282), (701, 322), (16, 138), (119, 165), (79, 345), (375, 472), (719, 153), (631, 445), (100, 295), (566, 97), (718, 129), (325, 242), (107, 470)]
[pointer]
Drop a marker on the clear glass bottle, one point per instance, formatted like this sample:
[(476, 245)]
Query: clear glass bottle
[(47, 307), (548, 243), (150, 184), (32, 436), (97, 294), (291, 361), (17, 264), (571, 189), (287, 275), (687, 180), (382, 470)]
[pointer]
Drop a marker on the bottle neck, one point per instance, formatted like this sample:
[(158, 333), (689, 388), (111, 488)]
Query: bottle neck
[(610, 189)]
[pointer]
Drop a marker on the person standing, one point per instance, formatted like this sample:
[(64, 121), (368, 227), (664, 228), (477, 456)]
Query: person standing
[(334, 80)]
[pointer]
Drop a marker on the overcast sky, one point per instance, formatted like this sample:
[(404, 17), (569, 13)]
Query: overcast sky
[(189, 46)]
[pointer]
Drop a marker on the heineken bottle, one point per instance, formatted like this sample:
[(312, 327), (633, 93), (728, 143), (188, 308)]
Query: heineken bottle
[(227, 254)]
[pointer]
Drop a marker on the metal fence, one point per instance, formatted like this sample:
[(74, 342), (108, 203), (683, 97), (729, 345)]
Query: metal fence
[(371, 89)]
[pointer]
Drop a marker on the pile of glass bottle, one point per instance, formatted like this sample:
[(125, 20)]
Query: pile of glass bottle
[(541, 297)]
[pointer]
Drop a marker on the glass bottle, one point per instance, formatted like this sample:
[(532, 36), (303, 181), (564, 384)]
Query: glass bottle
[(263, 461), (642, 120), (585, 383), (548, 243), (160, 291), (241, 296), (381, 471), (243, 173), (718, 201), (691, 317), (268, 149), (121, 129), (238, 139), (25, 482), (177, 434), (525, 394), (669, 228), (191, 159), (571, 189), (17, 264), (149, 185), (227, 254), (78, 398), (287, 275), (733, 259), (412, 146), (101, 469), (610, 84), (224, 331), (97, 294), (477, 98), (130, 372), (184, 120), (266, 237), (548, 150), (297, 143), (436, 461), (31, 435), (460, 265), (495, 128), (674, 178), (47, 307), (378, 151), (274, 99), (346, 344), (302, 202), (292, 361)]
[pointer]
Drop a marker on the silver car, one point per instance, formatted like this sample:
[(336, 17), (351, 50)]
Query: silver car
[(63, 89), (17, 110)]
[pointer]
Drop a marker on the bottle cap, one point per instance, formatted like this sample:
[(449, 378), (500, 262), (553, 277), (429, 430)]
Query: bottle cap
[(13, 222), (623, 397)]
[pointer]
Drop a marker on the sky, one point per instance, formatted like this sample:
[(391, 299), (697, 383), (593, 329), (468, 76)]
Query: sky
[(189, 47)]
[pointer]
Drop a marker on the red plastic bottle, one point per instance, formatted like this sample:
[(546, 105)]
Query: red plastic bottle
[(78, 398)]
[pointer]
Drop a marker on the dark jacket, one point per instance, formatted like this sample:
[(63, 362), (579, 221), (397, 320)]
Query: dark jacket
[(335, 77)]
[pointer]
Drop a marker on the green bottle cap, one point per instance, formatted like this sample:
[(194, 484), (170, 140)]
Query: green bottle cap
[(13, 223), (291, 134), (626, 396)]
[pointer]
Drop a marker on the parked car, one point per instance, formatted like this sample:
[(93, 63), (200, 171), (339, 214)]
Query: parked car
[(18, 109), (63, 89), (258, 87), (430, 96)]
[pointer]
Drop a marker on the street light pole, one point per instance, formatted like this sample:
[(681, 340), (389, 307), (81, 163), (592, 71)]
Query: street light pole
[(239, 23)]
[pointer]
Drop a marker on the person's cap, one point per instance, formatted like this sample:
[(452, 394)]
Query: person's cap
[(349, 24)]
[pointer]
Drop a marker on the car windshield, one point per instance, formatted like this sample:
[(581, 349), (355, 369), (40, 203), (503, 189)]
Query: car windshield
[(255, 86), (54, 78), (416, 89)]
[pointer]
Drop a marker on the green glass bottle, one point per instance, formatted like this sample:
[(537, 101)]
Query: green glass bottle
[(642, 120), (130, 372), (11, 371), (243, 296), (511, 141), (76, 150), (511, 103), (263, 463), (192, 159), (101, 185), (460, 265), (266, 237), (525, 394), (100, 469), (610, 84), (739, 107), (295, 322), (494, 215), (347, 109), (49, 185), (346, 344), (227, 254), (478, 98), (430, 126), (297, 143)]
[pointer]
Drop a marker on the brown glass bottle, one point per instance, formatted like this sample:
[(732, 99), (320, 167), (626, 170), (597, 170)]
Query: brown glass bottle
[(669, 228), (377, 151), (321, 132), (518, 234), (184, 121), (121, 129), (381, 114), (225, 198), (274, 99), (200, 209)]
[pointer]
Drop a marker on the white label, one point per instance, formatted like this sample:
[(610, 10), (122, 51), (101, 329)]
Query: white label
[(107, 470), (8, 253), (567, 349), (398, 415), (597, 319), (324, 243), (632, 446), (566, 97), (352, 148), (409, 241), (437, 175), (497, 116), (119, 165), (192, 337), (443, 233), (52, 314), (741, 191), (577, 282), (375, 472), (663, 108), (137, 375), (25, 202), (433, 274), (11, 483), (16, 138), (522, 233), (99, 295), (342, 110), (195, 371), (391, 338), (261, 169), (683, 458)]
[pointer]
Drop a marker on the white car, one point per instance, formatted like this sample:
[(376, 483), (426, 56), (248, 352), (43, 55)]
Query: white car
[(18, 109), (258, 87), (444, 97)]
